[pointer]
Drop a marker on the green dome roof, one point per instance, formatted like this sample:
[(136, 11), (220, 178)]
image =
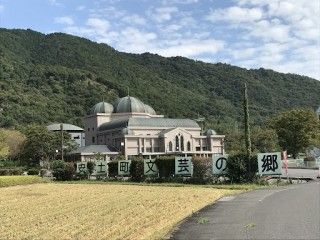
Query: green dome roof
[(210, 132), (101, 107), (129, 104), (149, 110)]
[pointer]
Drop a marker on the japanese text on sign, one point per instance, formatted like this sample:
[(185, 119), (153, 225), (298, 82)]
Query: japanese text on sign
[(269, 163), (183, 166), (101, 167), (81, 167), (219, 164), (150, 167), (124, 167)]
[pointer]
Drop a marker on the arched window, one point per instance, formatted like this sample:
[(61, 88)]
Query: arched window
[(182, 143), (177, 143), (189, 146), (170, 146)]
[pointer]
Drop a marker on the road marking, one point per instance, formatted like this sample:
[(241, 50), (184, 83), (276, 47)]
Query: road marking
[(226, 199)]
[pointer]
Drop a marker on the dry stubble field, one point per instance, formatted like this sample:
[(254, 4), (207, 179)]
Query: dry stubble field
[(97, 211)]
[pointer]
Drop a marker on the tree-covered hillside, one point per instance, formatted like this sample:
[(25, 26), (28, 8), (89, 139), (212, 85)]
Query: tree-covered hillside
[(58, 77)]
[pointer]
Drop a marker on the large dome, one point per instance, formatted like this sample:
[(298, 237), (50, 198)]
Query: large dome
[(149, 110), (101, 107), (129, 104)]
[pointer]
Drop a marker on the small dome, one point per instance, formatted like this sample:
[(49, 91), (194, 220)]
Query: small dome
[(126, 131), (149, 110), (101, 107), (210, 132), (129, 104)]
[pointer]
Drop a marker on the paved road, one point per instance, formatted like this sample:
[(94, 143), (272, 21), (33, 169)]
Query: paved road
[(284, 213), (304, 173)]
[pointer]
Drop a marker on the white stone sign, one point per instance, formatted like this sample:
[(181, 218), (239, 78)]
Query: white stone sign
[(82, 167), (270, 163), (124, 167), (101, 168), (219, 164), (150, 167), (183, 166)]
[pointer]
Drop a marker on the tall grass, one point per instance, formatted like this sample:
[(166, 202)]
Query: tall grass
[(6, 181)]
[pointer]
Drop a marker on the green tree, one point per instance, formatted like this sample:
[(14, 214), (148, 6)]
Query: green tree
[(90, 167), (63, 171), (246, 121), (297, 130), (41, 145), (13, 140), (264, 140)]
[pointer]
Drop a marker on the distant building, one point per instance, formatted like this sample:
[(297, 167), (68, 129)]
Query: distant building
[(76, 133), (133, 128)]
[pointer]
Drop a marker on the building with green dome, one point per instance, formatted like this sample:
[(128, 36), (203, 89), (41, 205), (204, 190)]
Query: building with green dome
[(131, 127)]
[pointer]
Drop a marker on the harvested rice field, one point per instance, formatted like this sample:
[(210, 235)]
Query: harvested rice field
[(98, 211)]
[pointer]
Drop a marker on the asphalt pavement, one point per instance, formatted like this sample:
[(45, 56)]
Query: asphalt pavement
[(290, 212), (301, 173)]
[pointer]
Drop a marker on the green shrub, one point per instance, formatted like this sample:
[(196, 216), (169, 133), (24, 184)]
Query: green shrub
[(242, 169), (33, 171), (62, 171), (10, 171), (201, 170), (90, 167), (136, 169), (113, 169), (166, 166)]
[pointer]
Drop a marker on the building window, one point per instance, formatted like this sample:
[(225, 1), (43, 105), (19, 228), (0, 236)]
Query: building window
[(177, 143), (76, 137), (88, 129), (182, 143), (198, 149), (93, 139), (189, 146), (170, 146)]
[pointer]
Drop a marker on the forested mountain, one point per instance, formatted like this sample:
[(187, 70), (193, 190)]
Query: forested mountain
[(58, 77)]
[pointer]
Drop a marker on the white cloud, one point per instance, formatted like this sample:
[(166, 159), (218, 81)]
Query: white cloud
[(64, 20), (98, 24), (280, 34), (267, 30), (136, 41), (163, 14), (134, 19), (166, 2), (55, 3), (80, 8), (192, 48), (236, 14)]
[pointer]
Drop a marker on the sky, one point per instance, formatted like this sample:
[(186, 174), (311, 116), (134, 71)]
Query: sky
[(282, 35)]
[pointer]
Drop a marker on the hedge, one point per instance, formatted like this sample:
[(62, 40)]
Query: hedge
[(241, 168)]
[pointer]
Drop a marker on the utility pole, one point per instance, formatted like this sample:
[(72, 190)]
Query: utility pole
[(61, 131), (246, 121)]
